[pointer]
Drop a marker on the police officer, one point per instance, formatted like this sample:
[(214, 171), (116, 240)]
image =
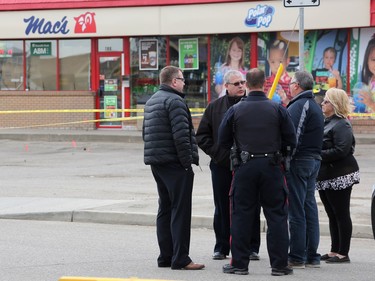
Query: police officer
[(221, 174), (262, 130)]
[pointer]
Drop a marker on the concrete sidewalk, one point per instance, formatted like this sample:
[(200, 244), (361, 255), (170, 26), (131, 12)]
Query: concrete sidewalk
[(41, 198), (101, 135)]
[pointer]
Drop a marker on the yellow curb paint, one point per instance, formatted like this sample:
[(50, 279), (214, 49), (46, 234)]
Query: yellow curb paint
[(74, 278)]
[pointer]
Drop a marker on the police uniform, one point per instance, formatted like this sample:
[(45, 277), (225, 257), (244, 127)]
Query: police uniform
[(262, 130), (207, 135)]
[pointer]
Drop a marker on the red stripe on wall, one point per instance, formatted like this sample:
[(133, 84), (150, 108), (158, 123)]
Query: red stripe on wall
[(11, 5), (372, 13)]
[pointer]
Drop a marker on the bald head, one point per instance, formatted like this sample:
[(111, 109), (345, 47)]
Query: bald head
[(255, 79)]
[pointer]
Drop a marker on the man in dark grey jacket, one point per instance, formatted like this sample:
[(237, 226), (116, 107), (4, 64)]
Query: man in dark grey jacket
[(303, 212), (170, 148)]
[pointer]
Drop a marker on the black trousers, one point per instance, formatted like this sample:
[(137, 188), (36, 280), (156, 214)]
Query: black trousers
[(337, 206), (221, 183), (259, 180), (173, 223)]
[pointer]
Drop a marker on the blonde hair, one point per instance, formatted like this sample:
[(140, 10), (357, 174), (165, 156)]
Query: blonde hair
[(340, 102)]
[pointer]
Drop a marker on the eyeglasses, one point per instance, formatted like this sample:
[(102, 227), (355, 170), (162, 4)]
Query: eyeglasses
[(325, 102), (237, 83), (179, 78), (294, 82)]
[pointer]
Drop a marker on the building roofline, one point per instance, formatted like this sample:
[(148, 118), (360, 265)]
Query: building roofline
[(21, 5)]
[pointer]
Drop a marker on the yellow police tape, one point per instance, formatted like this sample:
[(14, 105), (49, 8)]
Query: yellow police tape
[(82, 110), (73, 278), (120, 119), (199, 110)]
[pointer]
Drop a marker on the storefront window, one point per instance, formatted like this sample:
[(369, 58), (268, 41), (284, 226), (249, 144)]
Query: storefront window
[(41, 70), (11, 65), (74, 58), (111, 45), (190, 54), (148, 56)]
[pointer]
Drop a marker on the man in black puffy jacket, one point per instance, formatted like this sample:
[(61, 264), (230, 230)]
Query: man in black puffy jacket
[(170, 148)]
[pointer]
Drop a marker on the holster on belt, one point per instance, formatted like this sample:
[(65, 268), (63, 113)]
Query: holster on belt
[(275, 158)]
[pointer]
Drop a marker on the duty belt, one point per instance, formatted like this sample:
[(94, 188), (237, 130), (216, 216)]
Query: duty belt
[(246, 156)]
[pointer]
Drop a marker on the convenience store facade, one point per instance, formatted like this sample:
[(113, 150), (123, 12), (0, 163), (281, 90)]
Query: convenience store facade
[(62, 60)]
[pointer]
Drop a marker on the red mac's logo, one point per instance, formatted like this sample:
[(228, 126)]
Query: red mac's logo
[(85, 23)]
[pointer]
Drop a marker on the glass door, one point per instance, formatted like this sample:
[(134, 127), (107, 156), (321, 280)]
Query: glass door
[(110, 90)]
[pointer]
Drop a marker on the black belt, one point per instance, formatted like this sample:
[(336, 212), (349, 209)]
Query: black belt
[(246, 156)]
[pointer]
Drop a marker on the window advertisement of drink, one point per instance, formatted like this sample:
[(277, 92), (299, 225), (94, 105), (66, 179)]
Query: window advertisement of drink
[(110, 102), (325, 56), (275, 48), (188, 54), (326, 53), (362, 70), (148, 54), (228, 52)]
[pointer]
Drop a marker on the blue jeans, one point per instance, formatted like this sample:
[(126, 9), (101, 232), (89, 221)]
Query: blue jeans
[(303, 211)]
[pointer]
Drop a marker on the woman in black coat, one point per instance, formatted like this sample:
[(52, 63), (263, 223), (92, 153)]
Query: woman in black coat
[(338, 173)]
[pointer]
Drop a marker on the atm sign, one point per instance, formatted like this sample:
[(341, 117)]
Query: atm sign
[(40, 49)]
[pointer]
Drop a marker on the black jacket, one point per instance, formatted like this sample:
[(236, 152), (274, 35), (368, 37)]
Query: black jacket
[(168, 131), (308, 120), (260, 126), (207, 133), (338, 149)]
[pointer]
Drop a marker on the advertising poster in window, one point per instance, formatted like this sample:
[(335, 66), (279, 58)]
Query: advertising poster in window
[(325, 57), (362, 69), (188, 54), (110, 102), (110, 85), (148, 54), (228, 52)]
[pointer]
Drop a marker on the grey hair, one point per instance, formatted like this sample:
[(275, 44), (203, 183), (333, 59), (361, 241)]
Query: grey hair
[(231, 73), (304, 79)]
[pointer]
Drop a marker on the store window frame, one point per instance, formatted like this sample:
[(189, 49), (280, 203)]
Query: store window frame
[(12, 65), (49, 48)]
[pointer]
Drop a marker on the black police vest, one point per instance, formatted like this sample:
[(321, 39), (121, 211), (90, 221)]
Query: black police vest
[(257, 126)]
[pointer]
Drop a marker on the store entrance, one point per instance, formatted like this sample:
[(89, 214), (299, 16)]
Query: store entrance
[(111, 92)]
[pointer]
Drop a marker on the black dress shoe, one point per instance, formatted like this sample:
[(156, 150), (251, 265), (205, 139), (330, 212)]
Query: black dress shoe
[(218, 256), (325, 257), (194, 266), (164, 264), (282, 271), (190, 266), (234, 270), (336, 259)]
